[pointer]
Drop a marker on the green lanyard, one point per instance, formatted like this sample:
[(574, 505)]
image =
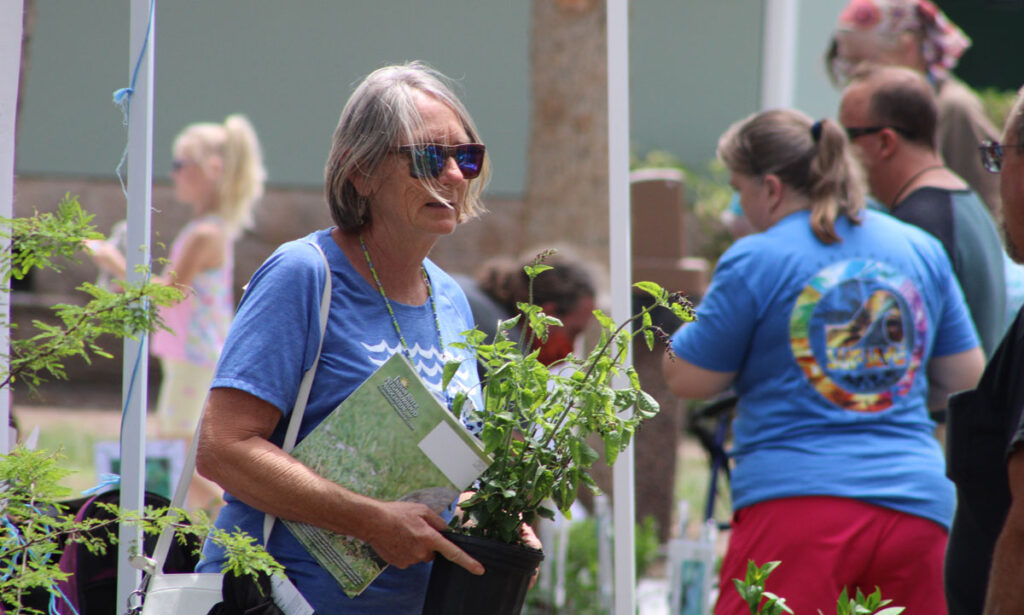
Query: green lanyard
[(391, 311)]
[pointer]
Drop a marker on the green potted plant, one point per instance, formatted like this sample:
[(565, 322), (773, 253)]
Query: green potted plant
[(537, 421)]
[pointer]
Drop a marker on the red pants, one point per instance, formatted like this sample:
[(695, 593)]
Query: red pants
[(828, 543)]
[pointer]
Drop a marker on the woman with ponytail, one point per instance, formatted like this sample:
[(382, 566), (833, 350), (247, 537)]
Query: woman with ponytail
[(218, 171), (838, 328)]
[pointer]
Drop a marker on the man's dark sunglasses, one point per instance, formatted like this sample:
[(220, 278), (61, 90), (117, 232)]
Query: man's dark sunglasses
[(859, 131), (428, 159), (992, 154)]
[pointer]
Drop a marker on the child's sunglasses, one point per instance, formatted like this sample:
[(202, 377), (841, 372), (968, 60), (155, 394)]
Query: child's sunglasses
[(428, 160)]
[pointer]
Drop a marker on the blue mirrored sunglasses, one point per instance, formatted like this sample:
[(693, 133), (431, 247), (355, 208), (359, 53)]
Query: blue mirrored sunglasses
[(428, 160)]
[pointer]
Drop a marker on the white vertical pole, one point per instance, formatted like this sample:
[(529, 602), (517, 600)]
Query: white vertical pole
[(136, 352), (620, 266), (778, 54), (11, 13), (605, 557)]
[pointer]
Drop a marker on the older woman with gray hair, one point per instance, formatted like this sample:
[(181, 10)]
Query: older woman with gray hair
[(406, 167)]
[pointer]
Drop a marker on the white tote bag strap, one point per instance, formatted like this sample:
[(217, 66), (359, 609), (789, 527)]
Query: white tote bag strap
[(163, 545), (292, 433)]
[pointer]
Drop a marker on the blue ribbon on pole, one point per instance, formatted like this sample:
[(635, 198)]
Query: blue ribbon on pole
[(106, 480)]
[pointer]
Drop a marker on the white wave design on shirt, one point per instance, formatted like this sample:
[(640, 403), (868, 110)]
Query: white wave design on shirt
[(429, 364), (416, 354), (382, 347), (425, 354)]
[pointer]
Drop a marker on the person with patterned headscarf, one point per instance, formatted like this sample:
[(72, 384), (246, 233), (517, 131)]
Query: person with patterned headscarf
[(917, 35)]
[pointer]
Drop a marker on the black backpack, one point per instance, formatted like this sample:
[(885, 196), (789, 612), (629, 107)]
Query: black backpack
[(92, 587)]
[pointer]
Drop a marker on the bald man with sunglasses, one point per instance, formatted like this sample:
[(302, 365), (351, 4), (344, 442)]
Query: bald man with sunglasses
[(890, 116)]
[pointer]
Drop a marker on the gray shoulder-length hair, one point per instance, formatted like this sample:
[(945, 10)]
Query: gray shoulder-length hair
[(381, 115)]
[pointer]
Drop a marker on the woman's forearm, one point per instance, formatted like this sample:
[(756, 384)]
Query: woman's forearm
[(108, 258), (265, 477)]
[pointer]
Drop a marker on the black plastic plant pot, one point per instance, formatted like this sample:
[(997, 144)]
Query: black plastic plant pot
[(501, 590)]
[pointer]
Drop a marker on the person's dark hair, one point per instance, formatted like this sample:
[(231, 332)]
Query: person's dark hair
[(380, 116), (811, 157), (500, 278), (564, 285), (903, 98)]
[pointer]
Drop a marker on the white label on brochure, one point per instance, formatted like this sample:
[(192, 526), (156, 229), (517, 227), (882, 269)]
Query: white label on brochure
[(456, 459), (287, 598)]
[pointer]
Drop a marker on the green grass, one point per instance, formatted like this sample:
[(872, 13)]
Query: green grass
[(75, 443), (692, 477)]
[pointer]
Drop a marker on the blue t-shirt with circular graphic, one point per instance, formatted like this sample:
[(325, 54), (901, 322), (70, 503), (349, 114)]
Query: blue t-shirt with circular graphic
[(830, 344)]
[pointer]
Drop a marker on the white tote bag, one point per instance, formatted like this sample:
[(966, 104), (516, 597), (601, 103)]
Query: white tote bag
[(197, 592), (174, 594)]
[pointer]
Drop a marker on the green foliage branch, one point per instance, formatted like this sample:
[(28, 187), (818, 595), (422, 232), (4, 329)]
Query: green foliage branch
[(997, 104), (48, 240), (761, 602), (537, 419), (37, 527)]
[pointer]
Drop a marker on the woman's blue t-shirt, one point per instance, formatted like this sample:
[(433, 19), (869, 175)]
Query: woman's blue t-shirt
[(273, 341), (830, 345)]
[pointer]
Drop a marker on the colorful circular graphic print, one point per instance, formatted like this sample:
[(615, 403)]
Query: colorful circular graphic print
[(858, 332)]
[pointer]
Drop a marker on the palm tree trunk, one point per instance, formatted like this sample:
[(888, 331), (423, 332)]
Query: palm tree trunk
[(567, 174)]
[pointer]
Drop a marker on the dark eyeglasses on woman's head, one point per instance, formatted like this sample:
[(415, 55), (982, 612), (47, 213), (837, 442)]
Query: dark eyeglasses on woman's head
[(992, 154), (427, 160)]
